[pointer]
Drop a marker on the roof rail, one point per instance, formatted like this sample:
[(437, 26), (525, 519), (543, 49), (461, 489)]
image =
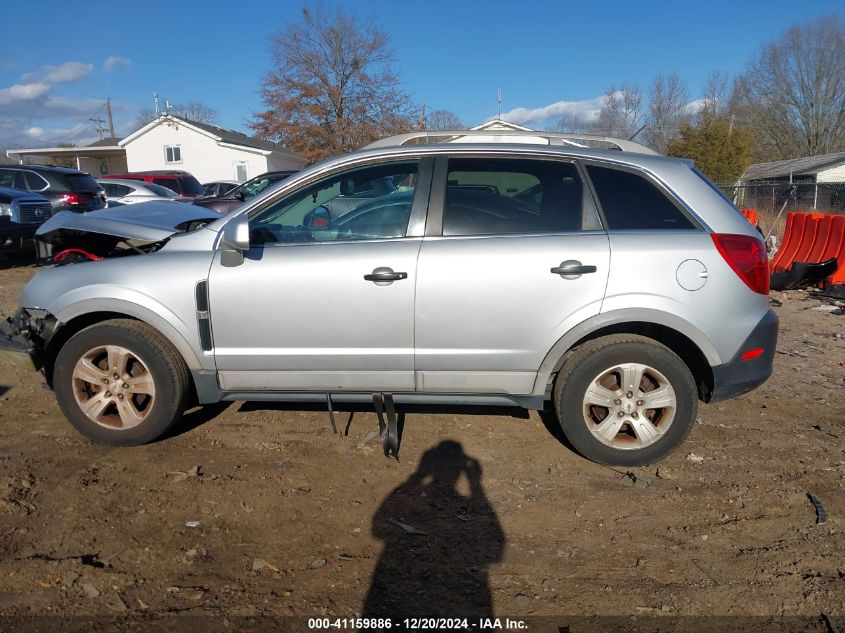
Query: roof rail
[(593, 141)]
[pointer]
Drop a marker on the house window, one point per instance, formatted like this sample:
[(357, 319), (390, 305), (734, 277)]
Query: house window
[(240, 172), (172, 153)]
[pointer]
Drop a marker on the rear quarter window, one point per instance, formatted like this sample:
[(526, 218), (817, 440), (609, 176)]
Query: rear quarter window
[(632, 202)]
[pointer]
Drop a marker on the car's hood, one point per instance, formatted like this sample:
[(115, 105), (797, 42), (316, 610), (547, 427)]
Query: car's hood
[(148, 221)]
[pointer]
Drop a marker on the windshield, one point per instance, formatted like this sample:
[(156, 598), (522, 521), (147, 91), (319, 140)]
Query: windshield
[(190, 186), (259, 184)]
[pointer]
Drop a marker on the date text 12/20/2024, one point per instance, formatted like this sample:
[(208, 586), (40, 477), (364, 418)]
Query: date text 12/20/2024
[(418, 624)]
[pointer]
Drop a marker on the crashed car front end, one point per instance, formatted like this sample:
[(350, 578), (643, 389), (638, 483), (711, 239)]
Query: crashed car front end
[(24, 337)]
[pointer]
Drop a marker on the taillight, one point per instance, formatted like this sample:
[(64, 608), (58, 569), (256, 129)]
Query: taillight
[(746, 255), (69, 198)]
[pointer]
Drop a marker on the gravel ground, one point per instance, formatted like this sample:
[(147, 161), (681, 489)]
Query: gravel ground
[(259, 510)]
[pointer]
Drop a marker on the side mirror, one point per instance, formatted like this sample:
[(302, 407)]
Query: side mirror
[(239, 195), (235, 241)]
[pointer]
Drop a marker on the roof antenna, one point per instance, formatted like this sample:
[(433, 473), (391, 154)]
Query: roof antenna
[(499, 101), (155, 97)]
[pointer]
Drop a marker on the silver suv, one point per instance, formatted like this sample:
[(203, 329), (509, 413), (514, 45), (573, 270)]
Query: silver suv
[(620, 287)]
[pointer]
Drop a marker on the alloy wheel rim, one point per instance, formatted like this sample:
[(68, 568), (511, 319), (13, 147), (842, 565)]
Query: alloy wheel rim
[(113, 387), (629, 406)]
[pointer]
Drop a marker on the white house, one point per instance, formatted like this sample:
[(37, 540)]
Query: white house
[(207, 151), (170, 142)]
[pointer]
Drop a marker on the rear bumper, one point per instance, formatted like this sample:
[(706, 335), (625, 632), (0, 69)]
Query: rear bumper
[(738, 376)]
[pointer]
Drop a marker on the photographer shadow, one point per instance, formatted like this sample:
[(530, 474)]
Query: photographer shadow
[(438, 542)]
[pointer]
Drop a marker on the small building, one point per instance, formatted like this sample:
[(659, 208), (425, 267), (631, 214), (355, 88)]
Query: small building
[(99, 158), (819, 180), (207, 151)]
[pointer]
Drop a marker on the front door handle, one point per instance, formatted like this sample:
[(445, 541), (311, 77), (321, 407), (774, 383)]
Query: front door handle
[(384, 274), (572, 268)]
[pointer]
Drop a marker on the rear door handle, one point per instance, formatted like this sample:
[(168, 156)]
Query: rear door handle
[(572, 267), (384, 274)]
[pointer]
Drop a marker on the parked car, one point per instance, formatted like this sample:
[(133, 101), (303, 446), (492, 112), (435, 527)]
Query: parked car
[(21, 212), (131, 191), (183, 183), (618, 288), (251, 188), (66, 189), (218, 188)]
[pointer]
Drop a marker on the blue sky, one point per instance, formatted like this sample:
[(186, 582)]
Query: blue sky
[(453, 55)]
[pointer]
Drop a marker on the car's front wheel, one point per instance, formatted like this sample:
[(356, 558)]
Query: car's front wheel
[(120, 382), (625, 400)]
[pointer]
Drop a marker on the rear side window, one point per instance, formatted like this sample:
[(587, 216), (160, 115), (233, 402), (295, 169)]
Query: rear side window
[(114, 190), (489, 196), (631, 202), (34, 182), (82, 182)]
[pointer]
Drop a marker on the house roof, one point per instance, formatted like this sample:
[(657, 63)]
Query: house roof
[(501, 124), (109, 141), (222, 135), (808, 166)]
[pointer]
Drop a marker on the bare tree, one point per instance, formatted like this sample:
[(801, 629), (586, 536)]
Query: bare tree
[(716, 96), (574, 123), (333, 87), (193, 111), (621, 114), (667, 110), (443, 120), (794, 91)]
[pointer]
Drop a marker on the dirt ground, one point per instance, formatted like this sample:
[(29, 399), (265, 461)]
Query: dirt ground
[(254, 510)]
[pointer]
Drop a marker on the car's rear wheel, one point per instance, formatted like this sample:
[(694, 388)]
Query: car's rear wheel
[(120, 382), (625, 400)]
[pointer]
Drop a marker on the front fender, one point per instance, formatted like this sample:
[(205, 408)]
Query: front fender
[(183, 335)]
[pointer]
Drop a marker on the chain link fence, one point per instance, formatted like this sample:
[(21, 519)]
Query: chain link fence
[(769, 197)]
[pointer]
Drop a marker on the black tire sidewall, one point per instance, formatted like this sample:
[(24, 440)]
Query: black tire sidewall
[(570, 399), (165, 406)]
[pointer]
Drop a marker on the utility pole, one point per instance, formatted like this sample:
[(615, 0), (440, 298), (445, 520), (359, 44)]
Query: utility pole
[(111, 121), (421, 121), (499, 102), (99, 127)]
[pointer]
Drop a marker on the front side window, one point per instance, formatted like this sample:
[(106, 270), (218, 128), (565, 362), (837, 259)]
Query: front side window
[(631, 202), (493, 196), (7, 178), (172, 154), (362, 204)]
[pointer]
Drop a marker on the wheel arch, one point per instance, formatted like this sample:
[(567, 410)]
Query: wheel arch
[(76, 318), (685, 340)]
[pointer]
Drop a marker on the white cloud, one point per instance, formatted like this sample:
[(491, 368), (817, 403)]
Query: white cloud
[(35, 132), (63, 73), (115, 61), (22, 92), (587, 110)]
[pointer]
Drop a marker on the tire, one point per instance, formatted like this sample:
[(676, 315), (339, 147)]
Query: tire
[(593, 366), (153, 386)]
